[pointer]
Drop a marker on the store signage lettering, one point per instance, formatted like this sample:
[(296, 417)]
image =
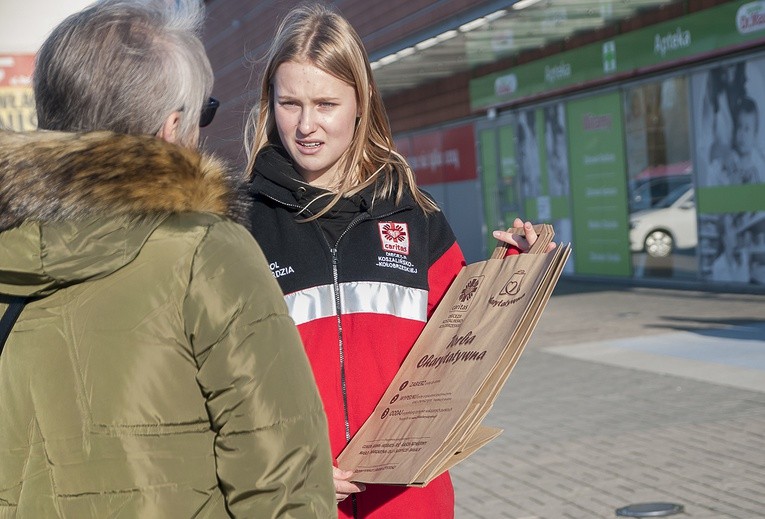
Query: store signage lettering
[(597, 192), (599, 225), (600, 158), (557, 72), (436, 159), (673, 41), (17, 99), (597, 122), (751, 17), (443, 155)]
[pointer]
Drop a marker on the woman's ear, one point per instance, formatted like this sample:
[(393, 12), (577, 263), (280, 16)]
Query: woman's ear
[(170, 130)]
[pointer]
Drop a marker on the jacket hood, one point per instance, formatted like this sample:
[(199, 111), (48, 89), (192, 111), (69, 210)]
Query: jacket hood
[(78, 206)]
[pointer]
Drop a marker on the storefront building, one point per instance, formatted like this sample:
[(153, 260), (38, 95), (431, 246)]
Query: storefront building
[(638, 132)]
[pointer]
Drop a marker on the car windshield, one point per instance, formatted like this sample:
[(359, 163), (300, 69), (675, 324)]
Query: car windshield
[(645, 194), (672, 197)]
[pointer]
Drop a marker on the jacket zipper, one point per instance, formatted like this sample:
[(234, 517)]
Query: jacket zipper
[(338, 309), (341, 346)]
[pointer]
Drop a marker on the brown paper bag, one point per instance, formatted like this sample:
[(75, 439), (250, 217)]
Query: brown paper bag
[(430, 417)]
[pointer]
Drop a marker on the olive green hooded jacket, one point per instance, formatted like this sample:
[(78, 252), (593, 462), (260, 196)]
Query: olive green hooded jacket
[(155, 372)]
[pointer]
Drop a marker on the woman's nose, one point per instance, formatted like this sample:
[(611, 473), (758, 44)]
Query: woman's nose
[(307, 124)]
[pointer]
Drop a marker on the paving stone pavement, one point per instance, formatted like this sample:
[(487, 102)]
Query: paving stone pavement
[(628, 395)]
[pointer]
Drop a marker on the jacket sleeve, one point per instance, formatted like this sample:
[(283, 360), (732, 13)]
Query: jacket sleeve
[(446, 259), (271, 446)]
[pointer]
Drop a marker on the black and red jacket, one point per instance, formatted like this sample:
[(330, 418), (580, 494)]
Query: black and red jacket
[(360, 293)]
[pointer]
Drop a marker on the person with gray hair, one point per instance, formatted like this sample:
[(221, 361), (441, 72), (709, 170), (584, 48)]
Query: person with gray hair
[(128, 67), (153, 369)]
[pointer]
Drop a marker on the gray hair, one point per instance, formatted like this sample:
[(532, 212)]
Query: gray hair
[(124, 66)]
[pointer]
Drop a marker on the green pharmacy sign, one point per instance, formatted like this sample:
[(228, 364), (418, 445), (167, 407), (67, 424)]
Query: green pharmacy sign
[(724, 26)]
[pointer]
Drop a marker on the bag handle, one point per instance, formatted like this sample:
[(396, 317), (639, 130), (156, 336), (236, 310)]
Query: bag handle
[(545, 233), (15, 306)]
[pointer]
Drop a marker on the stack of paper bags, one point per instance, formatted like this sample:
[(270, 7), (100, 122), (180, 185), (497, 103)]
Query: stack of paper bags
[(430, 417)]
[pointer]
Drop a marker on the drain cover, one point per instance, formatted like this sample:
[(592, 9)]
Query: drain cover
[(650, 510)]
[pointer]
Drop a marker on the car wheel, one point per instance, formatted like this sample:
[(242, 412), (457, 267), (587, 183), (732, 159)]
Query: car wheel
[(659, 244)]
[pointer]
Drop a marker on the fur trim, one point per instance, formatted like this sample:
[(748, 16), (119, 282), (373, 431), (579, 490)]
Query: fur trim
[(54, 176)]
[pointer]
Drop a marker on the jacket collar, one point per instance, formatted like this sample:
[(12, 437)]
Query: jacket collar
[(275, 177)]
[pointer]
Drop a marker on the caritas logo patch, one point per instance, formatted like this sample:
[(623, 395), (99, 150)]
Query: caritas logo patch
[(394, 237)]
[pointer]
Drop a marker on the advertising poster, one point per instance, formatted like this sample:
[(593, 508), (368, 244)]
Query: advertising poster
[(598, 186), (17, 103), (728, 120), (733, 247)]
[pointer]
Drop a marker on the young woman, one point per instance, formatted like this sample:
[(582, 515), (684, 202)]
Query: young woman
[(361, 254)]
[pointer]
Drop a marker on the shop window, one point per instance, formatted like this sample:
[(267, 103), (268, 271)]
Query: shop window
[(660, 186)]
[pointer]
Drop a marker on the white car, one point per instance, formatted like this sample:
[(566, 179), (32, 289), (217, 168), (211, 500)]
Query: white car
[(669, 225)]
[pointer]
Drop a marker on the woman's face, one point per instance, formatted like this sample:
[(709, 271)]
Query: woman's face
[(315, 115)]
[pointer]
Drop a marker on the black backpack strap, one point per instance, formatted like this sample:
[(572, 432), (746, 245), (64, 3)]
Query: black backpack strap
[(15, 306)]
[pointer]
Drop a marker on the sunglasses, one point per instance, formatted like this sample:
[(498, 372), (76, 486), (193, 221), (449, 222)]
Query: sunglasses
[(208, 111)]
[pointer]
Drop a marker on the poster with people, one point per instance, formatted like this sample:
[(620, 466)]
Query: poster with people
[(729, 120), (733, 247)]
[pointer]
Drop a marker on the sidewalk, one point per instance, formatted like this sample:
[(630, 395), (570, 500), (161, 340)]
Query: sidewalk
[(628, 395)]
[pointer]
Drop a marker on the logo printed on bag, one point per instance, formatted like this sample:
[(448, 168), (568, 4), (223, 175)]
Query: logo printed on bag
[(465, 298), (466, 295), (510, 289), (513, 286), (394, 237), (470, 288)]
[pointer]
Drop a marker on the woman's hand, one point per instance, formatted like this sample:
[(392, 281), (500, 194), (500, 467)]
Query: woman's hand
[(522, 242), (344, 487)]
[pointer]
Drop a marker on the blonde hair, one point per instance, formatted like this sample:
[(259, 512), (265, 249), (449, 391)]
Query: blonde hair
[(317, 35)]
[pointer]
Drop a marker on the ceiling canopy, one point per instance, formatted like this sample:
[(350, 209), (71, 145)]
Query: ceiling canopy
[(488, 37)]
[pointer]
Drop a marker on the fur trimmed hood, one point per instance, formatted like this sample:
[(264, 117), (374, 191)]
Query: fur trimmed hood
[(81, 206), (55, 176)]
